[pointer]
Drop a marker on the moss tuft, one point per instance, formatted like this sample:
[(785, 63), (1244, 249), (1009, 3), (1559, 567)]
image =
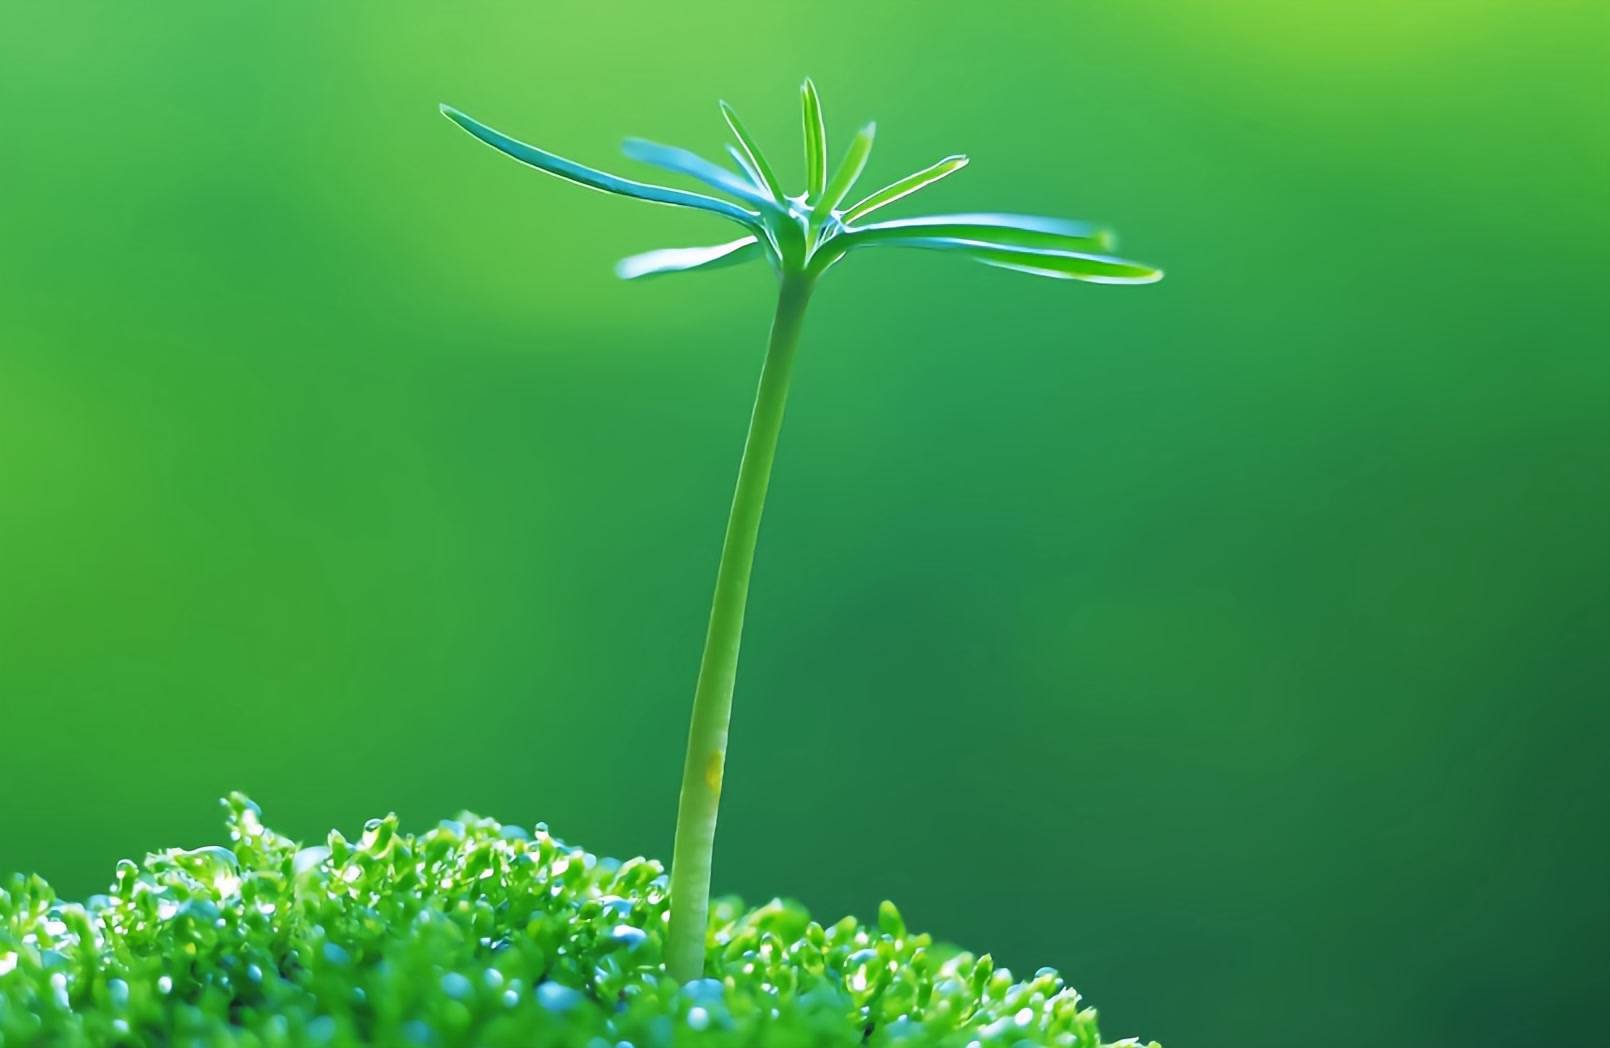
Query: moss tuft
[(473, 934)]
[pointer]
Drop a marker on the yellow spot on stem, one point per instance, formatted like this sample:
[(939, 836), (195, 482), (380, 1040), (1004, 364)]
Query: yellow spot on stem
[(712, 771)]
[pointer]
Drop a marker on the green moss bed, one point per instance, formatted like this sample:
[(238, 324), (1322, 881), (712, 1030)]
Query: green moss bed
[(474, 933)]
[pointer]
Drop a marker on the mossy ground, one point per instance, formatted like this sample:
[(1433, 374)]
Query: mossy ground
[(473, 934)]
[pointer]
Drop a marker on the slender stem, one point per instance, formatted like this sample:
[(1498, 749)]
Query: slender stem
[(712, 698)]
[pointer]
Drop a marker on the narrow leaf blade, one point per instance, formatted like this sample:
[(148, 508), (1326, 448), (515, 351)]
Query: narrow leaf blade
[(1088, 269), (1060, 265), (849, 170), (741, 158), (1031, 231), (751, 149), (815, 141), (744, 165), (694, 166), (688, 259), (592, 178), (905, 187)]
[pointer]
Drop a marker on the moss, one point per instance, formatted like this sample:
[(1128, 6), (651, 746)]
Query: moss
[(473, 934)]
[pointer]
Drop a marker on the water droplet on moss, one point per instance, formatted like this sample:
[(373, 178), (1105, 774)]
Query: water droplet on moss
[(557, 998), (309, 858), (704, 991), (628, 936), (455, 986)]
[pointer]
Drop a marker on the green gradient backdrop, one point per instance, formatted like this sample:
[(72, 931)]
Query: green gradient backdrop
[(1237, 644)]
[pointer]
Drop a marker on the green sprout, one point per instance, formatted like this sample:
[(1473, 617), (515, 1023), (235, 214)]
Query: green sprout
[(802, 237)]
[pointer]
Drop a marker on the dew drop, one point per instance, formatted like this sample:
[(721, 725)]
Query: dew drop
[(628, 936), (557, 998), (310, 858)]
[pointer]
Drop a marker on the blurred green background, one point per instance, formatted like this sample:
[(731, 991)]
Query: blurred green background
[(1238, 645)]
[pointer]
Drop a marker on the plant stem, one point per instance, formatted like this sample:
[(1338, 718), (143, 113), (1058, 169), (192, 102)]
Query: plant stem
[(712, 698)]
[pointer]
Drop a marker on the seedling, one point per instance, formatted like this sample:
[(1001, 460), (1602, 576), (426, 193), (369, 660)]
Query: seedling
[(802, 237)]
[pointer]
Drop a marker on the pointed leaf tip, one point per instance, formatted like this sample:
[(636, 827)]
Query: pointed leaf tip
[(592, 178), (905, 186), (751, 149), (815, 141)]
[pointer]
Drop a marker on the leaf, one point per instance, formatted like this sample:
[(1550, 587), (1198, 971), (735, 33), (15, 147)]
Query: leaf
[(751, 149), (905, 187), (695, 166), (688, 259), (1090, 269), (1033, 231), (1060, 265), (849, 170), (582, 175), (742, 160), (815, 141)]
